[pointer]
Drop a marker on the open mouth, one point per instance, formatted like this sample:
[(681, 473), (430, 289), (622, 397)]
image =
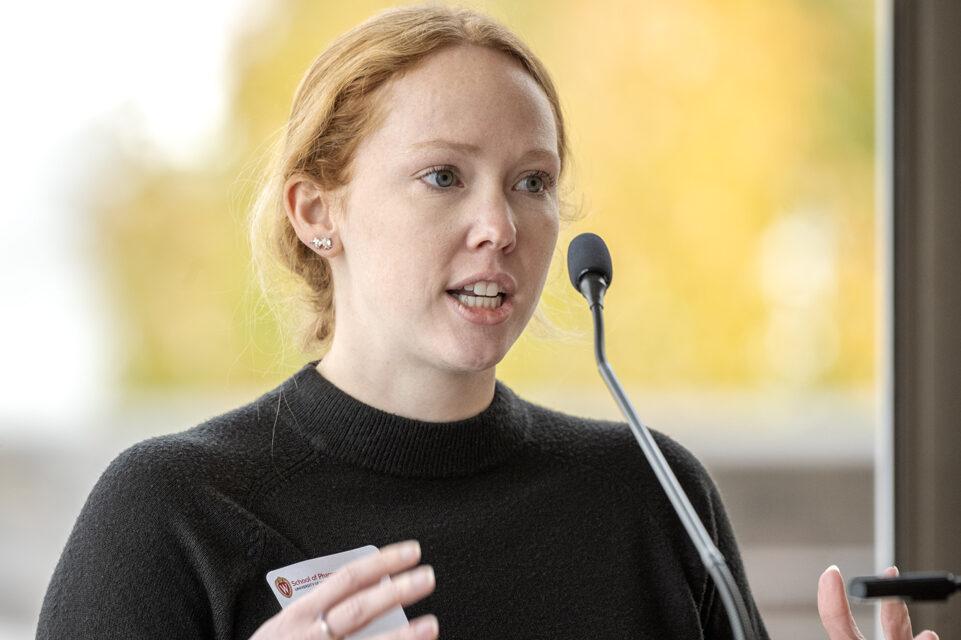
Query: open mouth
[(485, 295)]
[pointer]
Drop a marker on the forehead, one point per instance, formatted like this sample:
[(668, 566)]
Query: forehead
[(468, 94)]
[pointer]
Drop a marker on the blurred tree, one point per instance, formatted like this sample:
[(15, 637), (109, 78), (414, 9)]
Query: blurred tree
[(724, 149)]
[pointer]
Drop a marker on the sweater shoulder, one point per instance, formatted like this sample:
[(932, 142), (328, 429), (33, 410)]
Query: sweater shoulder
[(167, 514), (611, 448), (603, 439), (228, 453)]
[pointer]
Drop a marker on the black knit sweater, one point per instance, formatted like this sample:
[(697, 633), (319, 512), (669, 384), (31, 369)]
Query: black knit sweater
[(538, 524)]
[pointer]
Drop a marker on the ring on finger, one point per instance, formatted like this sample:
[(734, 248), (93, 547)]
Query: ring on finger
[(325, 627)]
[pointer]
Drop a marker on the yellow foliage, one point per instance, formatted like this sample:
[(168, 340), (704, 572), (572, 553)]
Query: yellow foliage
[(698, 128)]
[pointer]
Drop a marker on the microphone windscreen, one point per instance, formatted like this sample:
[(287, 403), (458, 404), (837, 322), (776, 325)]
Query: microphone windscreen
[(587, 253)]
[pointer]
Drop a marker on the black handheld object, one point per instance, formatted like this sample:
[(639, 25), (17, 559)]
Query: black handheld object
[(935, 585), (589, 266)]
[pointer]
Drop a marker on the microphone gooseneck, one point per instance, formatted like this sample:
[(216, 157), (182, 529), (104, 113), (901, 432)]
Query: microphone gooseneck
[(590, 269)]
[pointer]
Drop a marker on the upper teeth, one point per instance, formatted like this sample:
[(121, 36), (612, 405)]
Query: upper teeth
[(483, 288)]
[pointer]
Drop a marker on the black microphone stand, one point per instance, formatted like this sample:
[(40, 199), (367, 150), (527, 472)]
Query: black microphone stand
[(712, 558), (592, 286)]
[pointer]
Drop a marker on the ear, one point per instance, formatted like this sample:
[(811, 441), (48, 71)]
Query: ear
[(309, 208)]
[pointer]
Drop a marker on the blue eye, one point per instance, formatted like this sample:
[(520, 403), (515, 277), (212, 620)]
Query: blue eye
[(442, 178), (535, 183)]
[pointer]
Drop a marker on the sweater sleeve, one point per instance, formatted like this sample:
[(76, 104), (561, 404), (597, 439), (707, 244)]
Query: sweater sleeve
[(126, 571)]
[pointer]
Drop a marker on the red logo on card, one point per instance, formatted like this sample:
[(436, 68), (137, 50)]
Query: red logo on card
[(283, 586)]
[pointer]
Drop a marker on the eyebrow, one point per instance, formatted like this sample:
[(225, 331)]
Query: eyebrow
[(465, 147)]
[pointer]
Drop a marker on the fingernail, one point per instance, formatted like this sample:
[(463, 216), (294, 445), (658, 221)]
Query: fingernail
[(422, 577), (833, 567), (425, 627), (410, 550)]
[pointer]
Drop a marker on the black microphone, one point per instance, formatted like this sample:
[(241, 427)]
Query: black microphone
[(590, 269), (589, 266), (935, 585)]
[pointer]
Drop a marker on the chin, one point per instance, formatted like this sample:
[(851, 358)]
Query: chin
[(477, 366), (477, 362), (475, 352)]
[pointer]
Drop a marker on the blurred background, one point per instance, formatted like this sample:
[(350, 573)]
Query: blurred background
[(725, 150)]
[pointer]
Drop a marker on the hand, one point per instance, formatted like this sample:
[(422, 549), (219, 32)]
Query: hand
[(354, 596), (836, 612)]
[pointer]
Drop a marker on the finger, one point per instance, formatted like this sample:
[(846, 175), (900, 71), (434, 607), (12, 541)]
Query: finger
[(423, 628), (426, 628), (362, 608), (895, 622), (927, 635), (833, 607), (357, 575)]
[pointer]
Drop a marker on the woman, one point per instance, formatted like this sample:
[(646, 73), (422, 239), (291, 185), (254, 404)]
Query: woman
[(416, 197)]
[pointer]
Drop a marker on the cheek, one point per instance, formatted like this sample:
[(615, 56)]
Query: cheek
[(543, 232), (385, 235)]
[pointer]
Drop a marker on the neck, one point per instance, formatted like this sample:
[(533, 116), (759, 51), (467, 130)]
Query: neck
[(428, 395)]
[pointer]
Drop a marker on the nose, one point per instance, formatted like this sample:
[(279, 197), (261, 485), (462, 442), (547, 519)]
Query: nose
[(493, 224)]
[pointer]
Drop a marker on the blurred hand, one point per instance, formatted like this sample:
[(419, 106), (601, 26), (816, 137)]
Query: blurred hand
[(836, 612), (354, 596)]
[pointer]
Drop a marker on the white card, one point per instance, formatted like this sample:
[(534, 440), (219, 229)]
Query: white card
[(293, 582)]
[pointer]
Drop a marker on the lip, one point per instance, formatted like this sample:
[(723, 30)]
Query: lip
[(482, 315)]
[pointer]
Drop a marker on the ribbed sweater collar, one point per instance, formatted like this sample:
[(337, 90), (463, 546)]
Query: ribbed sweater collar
[(348, 430)]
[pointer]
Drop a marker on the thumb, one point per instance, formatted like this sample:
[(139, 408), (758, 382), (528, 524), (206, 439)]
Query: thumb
[(833, 607)]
